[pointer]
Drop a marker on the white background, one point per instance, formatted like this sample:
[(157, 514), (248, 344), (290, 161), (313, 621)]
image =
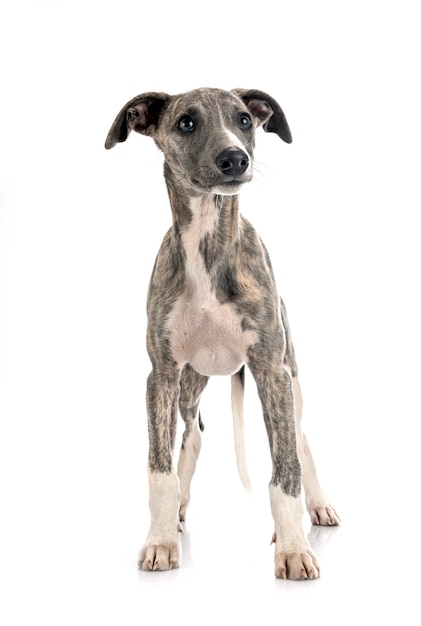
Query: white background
[(79, 230)]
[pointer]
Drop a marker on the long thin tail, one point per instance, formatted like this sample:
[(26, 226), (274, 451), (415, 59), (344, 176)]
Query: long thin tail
[(237, 403)]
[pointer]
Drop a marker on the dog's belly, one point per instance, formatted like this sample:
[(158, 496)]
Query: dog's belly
[(210, 339)]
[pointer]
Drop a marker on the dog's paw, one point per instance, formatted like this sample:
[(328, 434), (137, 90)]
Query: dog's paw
[(154, 557), (324, 515), (296, 566), (161, 553)]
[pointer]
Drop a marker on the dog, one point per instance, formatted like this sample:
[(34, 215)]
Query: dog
[(213, 308)]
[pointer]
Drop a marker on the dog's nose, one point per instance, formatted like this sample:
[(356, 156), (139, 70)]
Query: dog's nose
[(232, 162)]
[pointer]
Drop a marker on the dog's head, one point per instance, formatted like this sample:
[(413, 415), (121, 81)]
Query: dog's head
[(206, 135)]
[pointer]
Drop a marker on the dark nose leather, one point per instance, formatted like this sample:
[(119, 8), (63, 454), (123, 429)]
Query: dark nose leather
[(232, 162)]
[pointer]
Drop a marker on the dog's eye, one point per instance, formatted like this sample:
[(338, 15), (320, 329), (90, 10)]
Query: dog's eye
[(186, 124), (244, 121)]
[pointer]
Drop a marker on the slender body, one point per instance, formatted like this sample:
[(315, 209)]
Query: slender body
[(213, 309)]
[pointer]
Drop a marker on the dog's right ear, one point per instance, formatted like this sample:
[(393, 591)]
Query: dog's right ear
[(141, 114)]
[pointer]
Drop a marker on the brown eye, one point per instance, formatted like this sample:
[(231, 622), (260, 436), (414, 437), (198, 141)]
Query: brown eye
[(186, 124)]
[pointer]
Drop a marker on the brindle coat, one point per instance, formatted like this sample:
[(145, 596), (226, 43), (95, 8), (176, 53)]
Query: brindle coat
[(212, 308)]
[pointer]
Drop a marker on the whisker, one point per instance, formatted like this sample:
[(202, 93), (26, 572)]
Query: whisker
[(260, 171)]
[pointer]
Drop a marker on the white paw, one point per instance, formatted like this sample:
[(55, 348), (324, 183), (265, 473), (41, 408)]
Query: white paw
[(160, 556), (300, 565), (323, 515), (293, 556), (296, 566), (162, 550)]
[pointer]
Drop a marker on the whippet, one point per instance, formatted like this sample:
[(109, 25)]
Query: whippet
[(213, 308)]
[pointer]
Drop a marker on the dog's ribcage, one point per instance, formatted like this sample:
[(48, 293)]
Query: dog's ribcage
[(205, 332)]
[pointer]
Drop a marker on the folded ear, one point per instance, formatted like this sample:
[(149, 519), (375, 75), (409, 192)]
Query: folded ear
[(141, 114), (267, 111)]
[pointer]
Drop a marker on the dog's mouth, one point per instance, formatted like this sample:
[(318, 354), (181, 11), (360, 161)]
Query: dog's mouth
[(233, 183), (221, 187), (229, 187), (220, 184)]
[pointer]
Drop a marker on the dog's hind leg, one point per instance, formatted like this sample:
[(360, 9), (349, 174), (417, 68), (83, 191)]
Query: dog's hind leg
[(191, 387), (320, 511), (318, 507)]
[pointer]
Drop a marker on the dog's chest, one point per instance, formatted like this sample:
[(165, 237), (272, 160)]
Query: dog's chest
[(208, 337), (205, 332)]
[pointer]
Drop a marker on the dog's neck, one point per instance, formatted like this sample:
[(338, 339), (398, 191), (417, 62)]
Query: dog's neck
[(207, 223)]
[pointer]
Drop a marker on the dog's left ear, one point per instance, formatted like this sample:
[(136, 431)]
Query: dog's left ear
[(267, 111)]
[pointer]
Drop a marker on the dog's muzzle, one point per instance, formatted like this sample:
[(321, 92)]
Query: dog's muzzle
[(236, 168)]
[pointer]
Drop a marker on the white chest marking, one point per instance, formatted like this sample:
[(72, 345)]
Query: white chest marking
[(204, 332), (204, 222)]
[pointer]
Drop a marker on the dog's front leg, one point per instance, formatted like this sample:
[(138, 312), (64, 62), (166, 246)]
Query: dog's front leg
[(293, 556), (162, 547)]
